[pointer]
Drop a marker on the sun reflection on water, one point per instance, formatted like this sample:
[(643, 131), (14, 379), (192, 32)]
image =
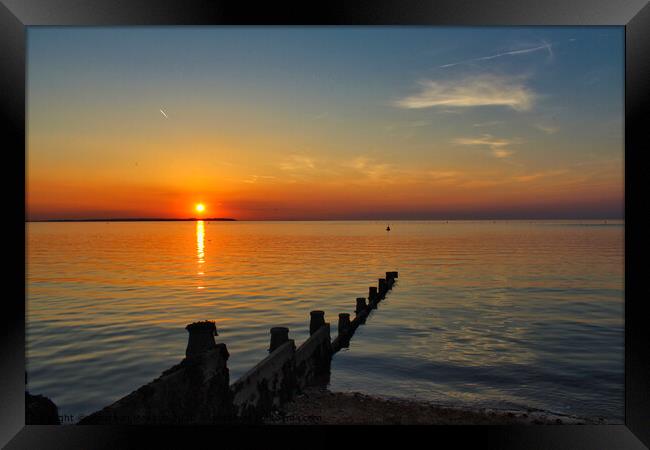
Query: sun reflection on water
[(200, 246)]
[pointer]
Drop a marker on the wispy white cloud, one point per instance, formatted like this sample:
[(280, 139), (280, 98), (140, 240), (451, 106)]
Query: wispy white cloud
[(412, 124), (359, 163), (498, 146), (501, 152), (255, 178), (297, 163), (368, 167), (538, 175), (545, 46), (482, 90), (548, 129), (491, 123)]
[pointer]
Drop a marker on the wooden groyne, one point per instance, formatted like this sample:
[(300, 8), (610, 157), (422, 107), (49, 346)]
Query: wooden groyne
[(198, 390), (347, 327)]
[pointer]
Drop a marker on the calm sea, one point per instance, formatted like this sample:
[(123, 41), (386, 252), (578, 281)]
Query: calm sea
[(498, 314)]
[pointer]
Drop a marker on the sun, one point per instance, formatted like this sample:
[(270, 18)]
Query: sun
[(200, 207)]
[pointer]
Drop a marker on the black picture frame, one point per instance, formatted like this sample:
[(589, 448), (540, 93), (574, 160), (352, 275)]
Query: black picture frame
[(634, 15)]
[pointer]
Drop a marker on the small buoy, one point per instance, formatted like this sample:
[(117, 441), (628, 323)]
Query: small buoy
[(388, 228)]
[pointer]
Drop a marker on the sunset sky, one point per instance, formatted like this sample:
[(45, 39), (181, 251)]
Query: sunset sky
[(325, 123)]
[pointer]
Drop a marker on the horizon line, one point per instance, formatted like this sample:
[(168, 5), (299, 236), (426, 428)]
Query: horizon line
[(228, 219)]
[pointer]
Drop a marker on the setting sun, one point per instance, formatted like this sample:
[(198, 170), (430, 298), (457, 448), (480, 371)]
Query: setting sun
[(200, 207)]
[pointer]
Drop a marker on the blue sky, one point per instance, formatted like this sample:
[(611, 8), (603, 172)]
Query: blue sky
[(421, 108)]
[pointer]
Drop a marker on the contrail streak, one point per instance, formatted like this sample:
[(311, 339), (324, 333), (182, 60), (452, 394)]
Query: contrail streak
[(163, 113), (546, 46)]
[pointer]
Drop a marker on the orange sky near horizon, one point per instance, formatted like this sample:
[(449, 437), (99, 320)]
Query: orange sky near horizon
[(326, 196), (133, 124)]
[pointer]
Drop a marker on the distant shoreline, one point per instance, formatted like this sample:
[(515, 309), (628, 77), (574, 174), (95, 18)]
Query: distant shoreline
[(140, 219)]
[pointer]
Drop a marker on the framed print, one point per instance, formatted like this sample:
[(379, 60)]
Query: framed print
[(307, 223)]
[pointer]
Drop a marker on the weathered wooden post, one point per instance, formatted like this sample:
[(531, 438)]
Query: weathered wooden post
[(389, 280), (372, 294), (201, 337), (279, 335), (361, 305), (196, 391), (382, 287), (317, 321), (344, 324)]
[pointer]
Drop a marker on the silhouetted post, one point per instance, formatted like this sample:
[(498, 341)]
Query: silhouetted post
[(344, 324), (389, 280), (372, 294), (201, 337), (317, 321), (279, 335), (382, 287), (361, 305)]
